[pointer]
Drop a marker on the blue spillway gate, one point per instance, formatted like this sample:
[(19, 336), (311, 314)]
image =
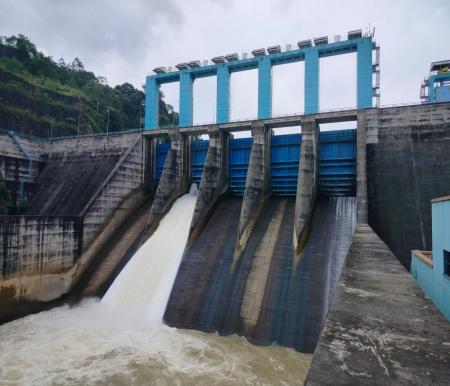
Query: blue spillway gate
[(199, 148), (284, 163), (337, 162), (238, 159), (161, 154), (337, 176)]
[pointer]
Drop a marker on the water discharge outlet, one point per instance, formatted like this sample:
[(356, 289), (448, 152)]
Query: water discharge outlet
[(144, 285)]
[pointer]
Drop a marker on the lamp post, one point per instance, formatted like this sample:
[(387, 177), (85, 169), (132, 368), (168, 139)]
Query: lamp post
[(141, 108), (170, 111), (79, 118), (107, 121)]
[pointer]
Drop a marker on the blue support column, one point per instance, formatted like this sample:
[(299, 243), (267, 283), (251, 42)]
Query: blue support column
[(264, 88), (431, 89), (151, 103), (223, 94), (312, 81), (186, 91), (364, 73)]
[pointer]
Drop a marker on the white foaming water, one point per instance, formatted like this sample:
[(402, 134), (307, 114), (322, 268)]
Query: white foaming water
[(122, 340), (143, 287)]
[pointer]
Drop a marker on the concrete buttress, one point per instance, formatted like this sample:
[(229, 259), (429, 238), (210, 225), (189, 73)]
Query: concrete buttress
[(307, 183), (174, 178), (214, 177), (257, 181)]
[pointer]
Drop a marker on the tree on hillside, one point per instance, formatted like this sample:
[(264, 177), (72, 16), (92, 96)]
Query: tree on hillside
[(132, 104), (20, 46), (89, 93), (77, 65)]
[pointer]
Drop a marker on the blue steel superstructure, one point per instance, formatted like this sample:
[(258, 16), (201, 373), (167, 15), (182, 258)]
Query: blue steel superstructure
[(431, 269), (311, 81), (224, 66), (223, 94), (436, 88)]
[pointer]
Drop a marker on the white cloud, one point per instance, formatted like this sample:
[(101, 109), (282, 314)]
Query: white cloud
[(125, 40)]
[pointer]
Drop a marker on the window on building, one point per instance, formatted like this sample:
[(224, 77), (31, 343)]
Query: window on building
[(447, 263)]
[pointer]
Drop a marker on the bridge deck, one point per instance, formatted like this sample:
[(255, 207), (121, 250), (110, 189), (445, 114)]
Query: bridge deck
[(275, 122)]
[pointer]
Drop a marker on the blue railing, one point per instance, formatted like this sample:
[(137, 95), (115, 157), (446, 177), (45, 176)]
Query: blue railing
[(199, 148), (337, 167), (239, 156), (284, 163)]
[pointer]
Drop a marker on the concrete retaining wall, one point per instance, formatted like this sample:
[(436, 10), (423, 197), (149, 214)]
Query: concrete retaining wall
[(122, 181), (407, 166), (39, 244), (8, 147), (20, 170), (361, 167), (41, 257)]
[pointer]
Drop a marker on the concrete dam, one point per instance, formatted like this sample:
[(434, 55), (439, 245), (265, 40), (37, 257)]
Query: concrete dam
[(289, 233), (265, 291), (260, 287), (193, 255)]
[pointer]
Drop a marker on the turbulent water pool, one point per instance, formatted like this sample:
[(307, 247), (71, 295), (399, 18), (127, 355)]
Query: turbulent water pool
[(121, 339), (94, 345)]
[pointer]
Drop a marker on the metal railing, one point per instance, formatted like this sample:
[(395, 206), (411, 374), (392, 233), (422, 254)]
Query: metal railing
[(339, 109), (36, 138), (102, 134)]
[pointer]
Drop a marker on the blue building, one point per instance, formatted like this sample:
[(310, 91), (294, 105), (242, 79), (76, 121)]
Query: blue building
[(436, 88), (431, 270)]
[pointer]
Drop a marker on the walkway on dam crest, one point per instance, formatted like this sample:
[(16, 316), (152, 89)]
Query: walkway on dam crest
[(344, 115), (381, 329)]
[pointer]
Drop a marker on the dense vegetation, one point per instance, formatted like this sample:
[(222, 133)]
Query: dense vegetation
[(41, 96)]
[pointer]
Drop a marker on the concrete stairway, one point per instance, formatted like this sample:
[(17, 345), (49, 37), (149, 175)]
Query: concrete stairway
[(68, 182)]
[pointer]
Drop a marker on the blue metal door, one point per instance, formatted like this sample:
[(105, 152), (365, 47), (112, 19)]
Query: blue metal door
[(284, 163), (239, 156), (199, 148), (337, 176), (161, 153)]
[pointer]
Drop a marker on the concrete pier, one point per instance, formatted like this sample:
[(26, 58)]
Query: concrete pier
[(257, 182), (174, 178), (399, 149), (214, 178), (361, 170), (307, 184)]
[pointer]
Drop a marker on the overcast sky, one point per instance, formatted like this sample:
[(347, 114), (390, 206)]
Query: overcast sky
[(125, 40)]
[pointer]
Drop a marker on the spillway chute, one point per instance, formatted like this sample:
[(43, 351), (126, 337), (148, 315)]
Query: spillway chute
[(143, 286)]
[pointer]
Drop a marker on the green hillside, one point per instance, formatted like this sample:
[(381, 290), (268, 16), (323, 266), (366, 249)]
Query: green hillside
[(43, 97)]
